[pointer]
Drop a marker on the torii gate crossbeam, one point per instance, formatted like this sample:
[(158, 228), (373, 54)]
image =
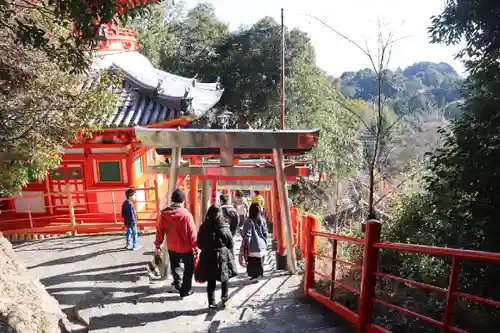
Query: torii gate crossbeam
[(227, 142)]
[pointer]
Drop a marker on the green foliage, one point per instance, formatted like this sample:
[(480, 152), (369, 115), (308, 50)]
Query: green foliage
[(412, 221), (247, 63), (178, 41), (313, 103), (476, 22), (459, 205), (309, 196), (41, 108), (196, 36), (155, 31), (65, 29), (417, 87), (352, 252), (464, 182)]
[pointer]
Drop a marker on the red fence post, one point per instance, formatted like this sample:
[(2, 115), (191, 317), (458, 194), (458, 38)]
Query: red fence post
[(114, 207), (303, 239), (293, 212), (213, 197), (157, 202), (368, 278), (315, 226), (309, 269), (71, 210), (450, 297)]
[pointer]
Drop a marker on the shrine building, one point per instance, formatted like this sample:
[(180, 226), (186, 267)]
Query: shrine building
[(98, 169)]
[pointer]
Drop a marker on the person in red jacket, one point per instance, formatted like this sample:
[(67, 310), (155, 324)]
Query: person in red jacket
[(178, 224)]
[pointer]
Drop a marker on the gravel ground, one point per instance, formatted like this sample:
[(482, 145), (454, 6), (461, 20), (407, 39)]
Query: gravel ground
[(110, 290)]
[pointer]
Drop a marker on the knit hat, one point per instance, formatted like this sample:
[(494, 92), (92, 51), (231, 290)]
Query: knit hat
[(178, 196)]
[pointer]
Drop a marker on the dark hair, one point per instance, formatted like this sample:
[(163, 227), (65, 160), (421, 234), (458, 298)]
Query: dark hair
[(224, 199), (129, 193), (239, 194), (214, 215), (254, 211), (212, 212), (257, 192)]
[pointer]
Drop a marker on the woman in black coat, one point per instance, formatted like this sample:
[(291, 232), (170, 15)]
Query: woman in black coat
[(216, 259)]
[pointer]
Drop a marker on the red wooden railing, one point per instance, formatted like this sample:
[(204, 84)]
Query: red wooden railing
[(74, 217), (363, 318)]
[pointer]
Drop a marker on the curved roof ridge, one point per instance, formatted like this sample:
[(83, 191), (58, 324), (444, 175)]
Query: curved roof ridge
[(135, 62), (160, 89)]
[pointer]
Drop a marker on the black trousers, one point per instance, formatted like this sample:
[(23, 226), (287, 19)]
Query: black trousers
[(255, 267), (234, 226), (242, 220), (211, 290), (187, 276)]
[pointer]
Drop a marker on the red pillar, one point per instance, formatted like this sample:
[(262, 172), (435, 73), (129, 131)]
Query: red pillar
[(193, 194), (450, 297), (278, 225), (368, 278), (309, 240), (270, 208), (214, 191), (294, 213)]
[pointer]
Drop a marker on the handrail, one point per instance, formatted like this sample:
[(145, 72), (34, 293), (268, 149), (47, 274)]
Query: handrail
[(82, 191), (370, 271), (62, 212), (338, 237), (440, 251)]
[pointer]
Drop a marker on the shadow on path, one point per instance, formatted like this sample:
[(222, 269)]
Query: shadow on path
[(115, 294), (138, 320), (61, 245), (76, 258)]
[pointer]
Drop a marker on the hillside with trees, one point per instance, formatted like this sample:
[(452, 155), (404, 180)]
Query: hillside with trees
[(378, 129), (452, 201), (420, 86), (246, 61)]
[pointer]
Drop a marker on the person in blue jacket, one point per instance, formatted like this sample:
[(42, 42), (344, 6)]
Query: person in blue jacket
[(129, 215)]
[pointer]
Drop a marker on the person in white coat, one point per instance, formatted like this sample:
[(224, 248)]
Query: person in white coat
[(241, 205)]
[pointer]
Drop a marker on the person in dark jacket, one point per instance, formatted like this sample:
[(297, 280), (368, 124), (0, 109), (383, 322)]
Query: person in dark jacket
[(255, 234), (217, 258), (229, 213), (129, 216)]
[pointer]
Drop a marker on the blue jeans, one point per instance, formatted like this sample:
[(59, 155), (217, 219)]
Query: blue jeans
[(132, 237)]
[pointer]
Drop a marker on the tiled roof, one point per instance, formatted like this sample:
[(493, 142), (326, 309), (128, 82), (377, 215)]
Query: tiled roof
[(150, 95), (139, 109)]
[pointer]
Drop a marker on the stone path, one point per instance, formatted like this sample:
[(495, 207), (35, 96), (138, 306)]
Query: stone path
[(110, 289)]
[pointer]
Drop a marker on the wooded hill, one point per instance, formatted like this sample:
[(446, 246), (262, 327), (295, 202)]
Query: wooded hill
[(421, 86)]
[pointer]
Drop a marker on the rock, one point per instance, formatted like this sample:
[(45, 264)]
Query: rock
[(25, 305)]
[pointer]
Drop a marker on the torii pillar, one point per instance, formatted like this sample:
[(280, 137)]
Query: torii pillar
[(227, 141)]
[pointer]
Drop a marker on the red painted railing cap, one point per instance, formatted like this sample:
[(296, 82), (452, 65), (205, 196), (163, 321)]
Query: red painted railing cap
[(372, 221)]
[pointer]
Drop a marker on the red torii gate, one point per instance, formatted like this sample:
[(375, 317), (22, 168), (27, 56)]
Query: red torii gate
[(230, 146)]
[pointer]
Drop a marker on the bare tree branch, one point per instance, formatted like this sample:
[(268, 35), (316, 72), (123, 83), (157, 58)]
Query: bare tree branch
[(410, 177), (380, 63)]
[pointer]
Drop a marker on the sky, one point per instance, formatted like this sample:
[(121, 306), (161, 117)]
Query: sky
[(357, 19)]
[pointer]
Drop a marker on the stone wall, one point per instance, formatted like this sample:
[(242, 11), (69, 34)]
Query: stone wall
[(25, 306)]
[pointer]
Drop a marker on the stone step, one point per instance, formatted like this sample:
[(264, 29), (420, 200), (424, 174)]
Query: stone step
[(110, 289)]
